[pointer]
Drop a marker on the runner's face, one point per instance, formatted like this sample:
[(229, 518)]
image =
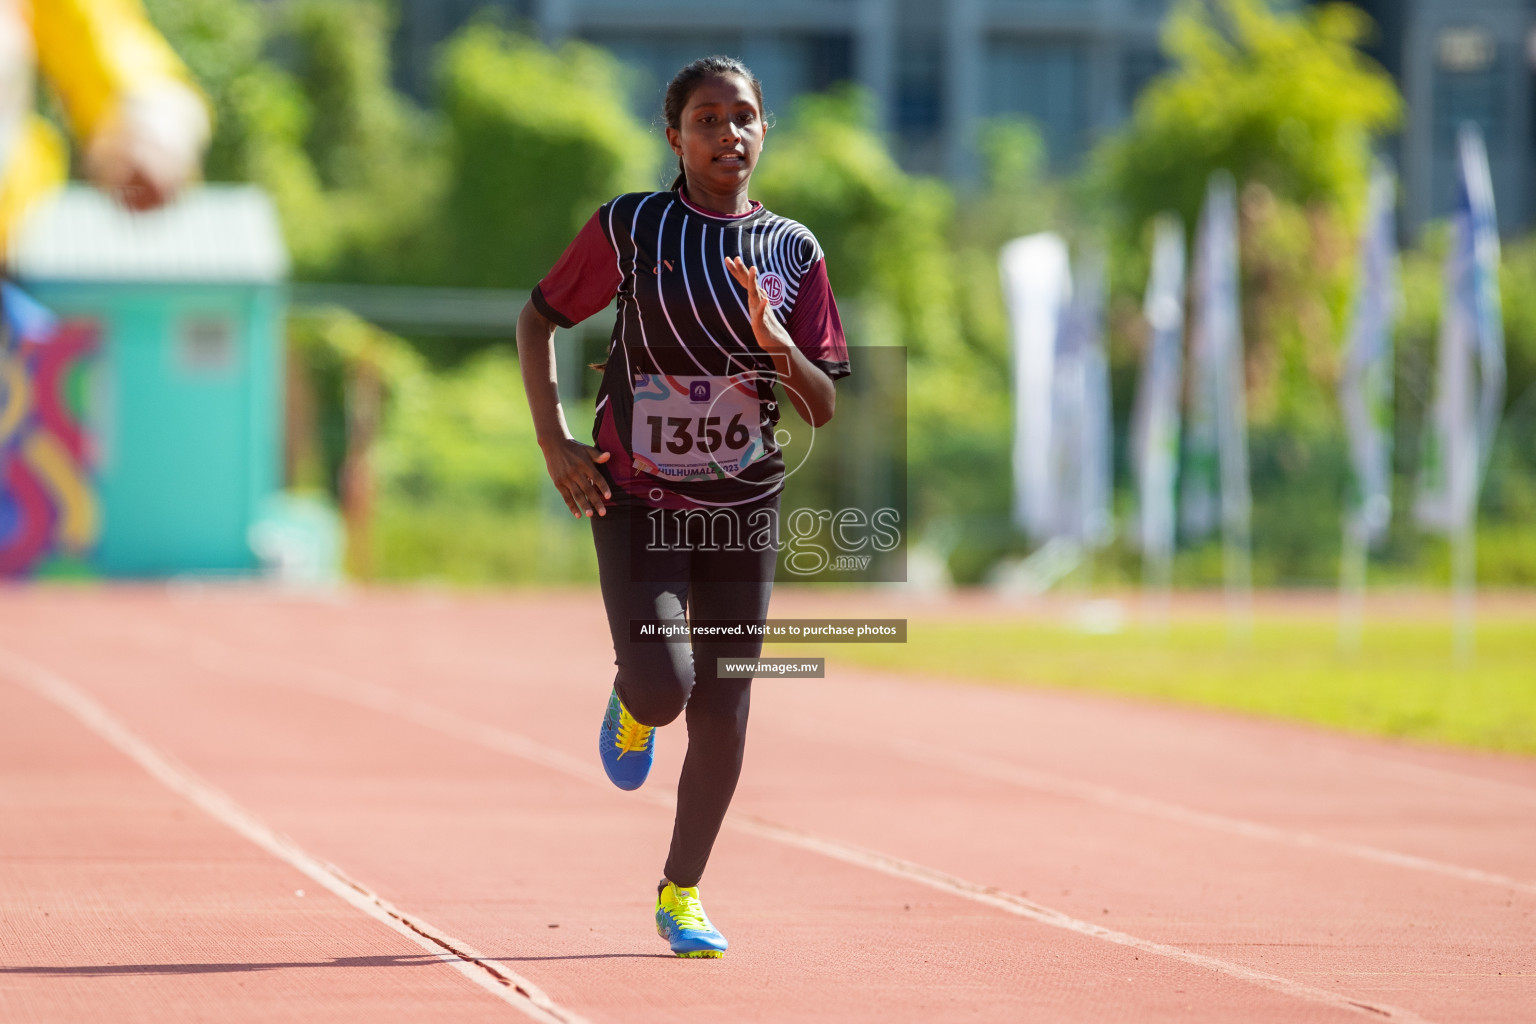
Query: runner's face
[(720, 133)]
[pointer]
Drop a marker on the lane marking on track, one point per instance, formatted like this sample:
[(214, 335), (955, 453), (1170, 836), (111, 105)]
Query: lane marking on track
[(495, 978), (1407, 771), (947, 883), (341, 686), (1376, 764), (1114, 799), (220, 656)]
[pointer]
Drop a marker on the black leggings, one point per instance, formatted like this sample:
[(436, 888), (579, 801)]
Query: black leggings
[(656, 681)]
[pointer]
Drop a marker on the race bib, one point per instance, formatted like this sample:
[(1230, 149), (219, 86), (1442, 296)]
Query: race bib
[(696, 428)]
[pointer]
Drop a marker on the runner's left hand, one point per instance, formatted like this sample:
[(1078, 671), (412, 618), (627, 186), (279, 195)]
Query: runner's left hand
[(770, 333)]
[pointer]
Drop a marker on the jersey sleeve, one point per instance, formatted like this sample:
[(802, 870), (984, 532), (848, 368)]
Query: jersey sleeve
[(815, 326), (583, 280)]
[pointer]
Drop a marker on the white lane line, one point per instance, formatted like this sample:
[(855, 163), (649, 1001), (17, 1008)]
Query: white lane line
[(1445, 779), (1106, 796), (495, 978), (934, 879), (341, 686), (218, 656)]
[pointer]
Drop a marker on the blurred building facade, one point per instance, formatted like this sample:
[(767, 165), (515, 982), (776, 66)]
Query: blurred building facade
[(935, 70), (1456, 61), (1074, 67)]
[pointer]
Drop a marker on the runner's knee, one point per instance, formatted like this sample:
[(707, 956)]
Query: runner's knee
[(654, 682)]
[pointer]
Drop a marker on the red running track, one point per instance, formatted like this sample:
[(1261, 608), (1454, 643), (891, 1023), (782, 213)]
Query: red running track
[(177, 765)]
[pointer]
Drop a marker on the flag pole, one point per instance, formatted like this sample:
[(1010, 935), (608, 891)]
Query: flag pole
[(1353, 564)]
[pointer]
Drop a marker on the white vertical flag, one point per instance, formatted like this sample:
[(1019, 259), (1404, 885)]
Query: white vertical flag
[(1218, 446), (1365, 390), (1037, 284), (1469, 383), (1098, 432), (1081, 432), (1201, 472), (1155, 420)]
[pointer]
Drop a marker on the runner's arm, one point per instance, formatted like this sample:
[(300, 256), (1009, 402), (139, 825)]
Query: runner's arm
[(571, 464), (810, 390)]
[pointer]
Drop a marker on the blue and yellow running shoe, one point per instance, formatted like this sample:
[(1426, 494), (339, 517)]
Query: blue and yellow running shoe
[(680, 919), (626, 747)]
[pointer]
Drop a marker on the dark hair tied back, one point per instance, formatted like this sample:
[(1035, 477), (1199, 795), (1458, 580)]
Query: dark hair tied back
[(685, 81)]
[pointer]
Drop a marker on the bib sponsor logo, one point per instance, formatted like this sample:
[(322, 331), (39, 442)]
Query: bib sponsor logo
[(773, 286), (698, 391)]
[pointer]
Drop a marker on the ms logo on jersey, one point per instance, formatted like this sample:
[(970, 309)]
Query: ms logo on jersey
[(698, 391), (773, 286)]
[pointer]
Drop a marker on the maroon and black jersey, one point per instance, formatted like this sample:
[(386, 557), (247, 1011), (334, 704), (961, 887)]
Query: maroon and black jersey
[(682, 315)]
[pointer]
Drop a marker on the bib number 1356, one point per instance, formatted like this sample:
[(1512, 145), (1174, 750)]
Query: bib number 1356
[(684, 433), (695, 428)]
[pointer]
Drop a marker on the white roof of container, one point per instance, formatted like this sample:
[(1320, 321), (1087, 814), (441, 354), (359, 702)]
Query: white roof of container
[(212, 233)]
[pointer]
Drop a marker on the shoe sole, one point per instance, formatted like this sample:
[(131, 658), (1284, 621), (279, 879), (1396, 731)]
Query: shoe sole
[(703, 954)]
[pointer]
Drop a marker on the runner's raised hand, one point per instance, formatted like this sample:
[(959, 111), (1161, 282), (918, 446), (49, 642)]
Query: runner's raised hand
[(770, 333)]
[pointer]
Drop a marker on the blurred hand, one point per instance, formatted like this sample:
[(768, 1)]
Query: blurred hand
[(150, 147), (571, 466)]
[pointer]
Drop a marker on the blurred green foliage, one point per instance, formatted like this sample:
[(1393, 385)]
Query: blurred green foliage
[(538, 140), (915, 266), (483, 191), (1284, 100), (524, 142), (463, 494), (883, 230)]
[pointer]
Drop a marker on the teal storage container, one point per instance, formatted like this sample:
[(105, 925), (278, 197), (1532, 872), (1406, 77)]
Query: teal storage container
[(183, 397)]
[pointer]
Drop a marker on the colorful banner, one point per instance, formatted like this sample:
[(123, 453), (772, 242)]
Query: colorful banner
[(1469, 382), (1365, 390), (49, 516), (1037, 285), (1155, 418)]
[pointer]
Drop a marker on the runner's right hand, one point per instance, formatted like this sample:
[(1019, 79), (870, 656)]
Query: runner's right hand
[(571, 467)]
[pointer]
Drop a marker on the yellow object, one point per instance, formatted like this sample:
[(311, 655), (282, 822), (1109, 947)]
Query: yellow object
[(633, 737), (93, 53), (79, 521)]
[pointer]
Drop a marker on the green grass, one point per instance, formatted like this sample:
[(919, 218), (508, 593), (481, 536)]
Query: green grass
[(479, 547), (1403, 682)]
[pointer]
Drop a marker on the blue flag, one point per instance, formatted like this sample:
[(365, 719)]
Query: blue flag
[(1469, 382), (25, 318)]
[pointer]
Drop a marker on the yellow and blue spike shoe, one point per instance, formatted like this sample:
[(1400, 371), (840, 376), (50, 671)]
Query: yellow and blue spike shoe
[(626, 747), (680, 919)]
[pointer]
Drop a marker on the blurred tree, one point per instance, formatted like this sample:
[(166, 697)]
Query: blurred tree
[(911, 266), (378, 159), (885, 232), (221, 42), (354, 170), (1016, 199), (1284, 100), (1288, 105), (538, 139)]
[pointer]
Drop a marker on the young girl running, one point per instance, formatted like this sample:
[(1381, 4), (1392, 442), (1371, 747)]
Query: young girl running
[(718, 299)]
